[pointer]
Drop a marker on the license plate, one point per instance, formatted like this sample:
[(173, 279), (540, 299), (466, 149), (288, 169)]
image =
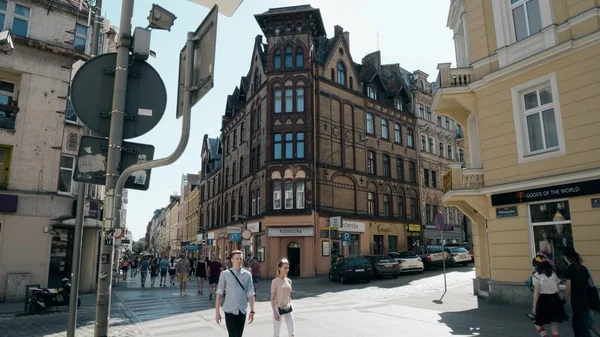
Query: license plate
[(359, 270), (414, 266), (389, 265)]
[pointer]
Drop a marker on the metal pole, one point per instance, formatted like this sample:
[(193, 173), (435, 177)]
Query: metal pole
[(81, 191), (117, 116), (185, 132)]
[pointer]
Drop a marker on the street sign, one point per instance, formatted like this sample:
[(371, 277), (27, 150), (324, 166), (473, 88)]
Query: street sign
[(335, 222), (125, 242), (204, 58), (245, 243), (346, 236), (235, 237), (91, 162), (439, 221), (146, 97), (203, 242), (226, 7), (246, 234)]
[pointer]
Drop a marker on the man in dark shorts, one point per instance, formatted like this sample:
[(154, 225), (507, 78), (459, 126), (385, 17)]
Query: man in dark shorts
[(214, 271)]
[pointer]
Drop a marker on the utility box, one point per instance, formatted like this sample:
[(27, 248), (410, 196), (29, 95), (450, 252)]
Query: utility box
[(15, 286)]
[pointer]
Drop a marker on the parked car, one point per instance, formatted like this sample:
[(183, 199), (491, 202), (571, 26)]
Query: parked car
[(409, 262), (351, 269), (432, 256), (458, 255), (466, 246), (384, 265)]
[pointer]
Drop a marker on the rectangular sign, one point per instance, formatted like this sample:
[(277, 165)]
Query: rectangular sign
[(211, 235), (353, 226), (199, 237), (234, 229), (254, 227), (547, 193), (291, 231), (335, 221), (414, 228), (192, 247), (506, 212), (90, 166), (595, 202), (235, 237)]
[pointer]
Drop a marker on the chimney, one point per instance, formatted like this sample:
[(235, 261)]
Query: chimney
[(347, 37), (258, 39), (337, 30)]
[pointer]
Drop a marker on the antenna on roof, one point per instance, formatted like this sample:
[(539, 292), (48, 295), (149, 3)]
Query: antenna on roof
[(377, 32)]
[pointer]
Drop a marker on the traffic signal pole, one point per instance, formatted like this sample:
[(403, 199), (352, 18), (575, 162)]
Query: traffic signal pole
[(185, 132), (117, 117)]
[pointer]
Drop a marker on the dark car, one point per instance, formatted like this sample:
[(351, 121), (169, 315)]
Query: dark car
[(351, 269), (384, 265)]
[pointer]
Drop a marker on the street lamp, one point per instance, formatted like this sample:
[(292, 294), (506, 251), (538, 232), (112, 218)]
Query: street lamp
[(160, 18), (6, 43)]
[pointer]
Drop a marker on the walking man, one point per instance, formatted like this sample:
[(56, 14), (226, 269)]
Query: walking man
[(214, 271), (182, 268), (237, 283)]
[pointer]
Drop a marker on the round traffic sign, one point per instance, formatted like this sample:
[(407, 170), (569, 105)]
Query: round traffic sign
[(203, 242), (246, 234), (439, 221), (92, 95)]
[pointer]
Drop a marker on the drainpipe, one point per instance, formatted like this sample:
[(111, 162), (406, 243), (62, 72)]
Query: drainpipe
[(314, 155)]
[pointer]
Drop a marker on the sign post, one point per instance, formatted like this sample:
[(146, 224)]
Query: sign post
[(439, 224)]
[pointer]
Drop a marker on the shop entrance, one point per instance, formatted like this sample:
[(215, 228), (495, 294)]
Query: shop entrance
[(294, 258), (60, 256)]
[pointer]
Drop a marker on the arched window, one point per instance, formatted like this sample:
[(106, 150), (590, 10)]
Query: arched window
[(372, 199), (277, 60), (299, 58), (288, 57), (341, 73)]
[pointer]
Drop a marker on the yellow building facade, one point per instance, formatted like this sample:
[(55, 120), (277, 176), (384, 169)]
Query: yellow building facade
[(191, 220), (527, 89)]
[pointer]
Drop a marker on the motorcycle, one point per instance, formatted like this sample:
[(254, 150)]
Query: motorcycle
[(44, 299)]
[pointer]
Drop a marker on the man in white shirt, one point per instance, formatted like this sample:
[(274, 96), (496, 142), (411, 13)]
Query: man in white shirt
[(237, 283)]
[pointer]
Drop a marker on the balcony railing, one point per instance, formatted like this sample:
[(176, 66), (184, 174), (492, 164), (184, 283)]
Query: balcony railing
[(8, 115), (453, 77), (458, 178), (7, 123)]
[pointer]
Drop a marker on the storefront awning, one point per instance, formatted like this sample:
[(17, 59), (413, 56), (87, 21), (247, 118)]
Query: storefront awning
[(89, 223)]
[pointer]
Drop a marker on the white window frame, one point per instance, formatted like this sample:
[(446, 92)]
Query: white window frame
[(431, 142), (6, 14), (530, 223), (370, 127), (258, 201), (421, 109), (517, 92), (82, 36), (511, 51), (443, 149), (73, 190), (7, 93), (278, 101), (253, 203), (289, 195), (397, 133), (277, 195), (14, 15), (385, 130), (76, 121), (300, 202)]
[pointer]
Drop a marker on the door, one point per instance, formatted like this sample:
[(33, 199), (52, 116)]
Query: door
[(60, 257), (294, 258)]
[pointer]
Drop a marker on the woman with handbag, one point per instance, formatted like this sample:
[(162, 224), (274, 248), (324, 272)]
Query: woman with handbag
[(547, 306), (577, 287), (281, 300)]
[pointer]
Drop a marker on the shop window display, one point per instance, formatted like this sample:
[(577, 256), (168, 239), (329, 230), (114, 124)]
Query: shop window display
[(552, 231)]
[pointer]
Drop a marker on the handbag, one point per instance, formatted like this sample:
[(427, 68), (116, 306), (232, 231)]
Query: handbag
[(283, 311), (593, 298)]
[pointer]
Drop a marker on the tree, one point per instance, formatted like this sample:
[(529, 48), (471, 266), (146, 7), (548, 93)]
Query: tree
[(138, 247)]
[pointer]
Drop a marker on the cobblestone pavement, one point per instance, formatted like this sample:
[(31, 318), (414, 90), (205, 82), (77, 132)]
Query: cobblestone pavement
[(381, 308)]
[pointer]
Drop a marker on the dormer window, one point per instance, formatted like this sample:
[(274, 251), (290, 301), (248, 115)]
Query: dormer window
[(288, 57), (341, 74), (371, 93), (398, 104), (277, 60)]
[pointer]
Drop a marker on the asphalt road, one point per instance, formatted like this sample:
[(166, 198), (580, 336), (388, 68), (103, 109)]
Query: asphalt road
[(388, 307)]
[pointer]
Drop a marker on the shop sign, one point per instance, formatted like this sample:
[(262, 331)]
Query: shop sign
[(192, 247), (291, 231), (211, 235), (184, 243), (199, 237), (234, 229), (595, 202), (506, 212), (254, 227), (414, 228), (235, 237), (547, 193), (222, 235), (353, 226), (335, 222), (346, 236)]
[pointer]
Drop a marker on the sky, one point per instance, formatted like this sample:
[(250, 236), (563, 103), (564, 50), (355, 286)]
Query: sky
[(411, 33)]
